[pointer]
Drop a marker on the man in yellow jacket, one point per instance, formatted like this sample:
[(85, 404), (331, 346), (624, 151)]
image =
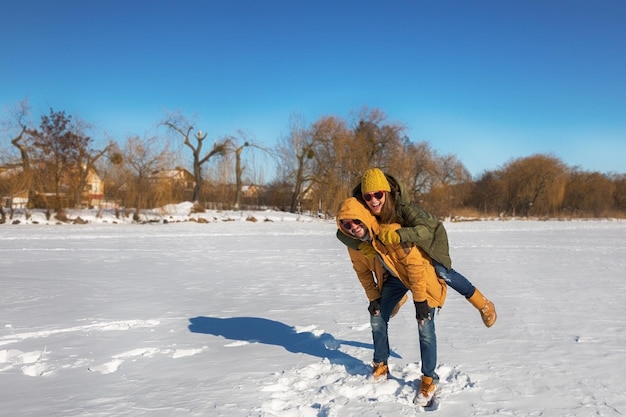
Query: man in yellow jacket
[(400, 268)]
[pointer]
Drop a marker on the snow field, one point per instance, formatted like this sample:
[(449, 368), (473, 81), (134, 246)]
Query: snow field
[(268, 319)]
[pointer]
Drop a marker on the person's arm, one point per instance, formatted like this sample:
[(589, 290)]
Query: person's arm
[(418, 225), (415, 266), (364, 271), (421, 228), (348, 241), (364, 246)]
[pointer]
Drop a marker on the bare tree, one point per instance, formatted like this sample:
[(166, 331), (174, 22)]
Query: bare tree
[(619, 198), (451, 171), (144, 157), (235, 146), (488, 193), (335, 172), (84, 162), (58, 145), (19, 124), (59, 150), (589, 193), (115, 174), (296, 154), (376, 137), (535, 184), (448, 189), (180, 125), (341, 154), (414, 164)]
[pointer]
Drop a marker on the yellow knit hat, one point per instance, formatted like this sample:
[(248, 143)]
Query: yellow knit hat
[(374, 180)]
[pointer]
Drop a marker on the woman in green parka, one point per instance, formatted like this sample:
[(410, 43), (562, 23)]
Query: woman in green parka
[(387, 199)]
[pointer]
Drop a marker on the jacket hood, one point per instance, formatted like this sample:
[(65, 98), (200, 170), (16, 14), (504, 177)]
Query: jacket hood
[(353, 209)]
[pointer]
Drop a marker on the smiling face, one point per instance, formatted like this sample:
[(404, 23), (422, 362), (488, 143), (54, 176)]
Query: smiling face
[(354, 227), (375, 201)]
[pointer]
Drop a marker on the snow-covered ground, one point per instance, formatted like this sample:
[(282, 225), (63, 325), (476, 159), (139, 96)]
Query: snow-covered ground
[(267, 318)]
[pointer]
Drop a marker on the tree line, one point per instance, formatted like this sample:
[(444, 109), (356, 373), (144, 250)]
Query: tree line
[(317, 166)]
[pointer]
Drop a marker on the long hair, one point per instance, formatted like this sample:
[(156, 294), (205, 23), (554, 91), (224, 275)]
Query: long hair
[(388, 213)]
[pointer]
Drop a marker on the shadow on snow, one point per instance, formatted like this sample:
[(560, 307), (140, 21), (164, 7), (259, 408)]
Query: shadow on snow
[(270, 332)]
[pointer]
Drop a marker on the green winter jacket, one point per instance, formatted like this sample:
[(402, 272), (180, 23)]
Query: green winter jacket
[(418, 225)]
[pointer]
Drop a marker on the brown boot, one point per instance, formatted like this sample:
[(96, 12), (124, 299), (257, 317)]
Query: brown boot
[(380, 371), (426, 392), (486, 308)]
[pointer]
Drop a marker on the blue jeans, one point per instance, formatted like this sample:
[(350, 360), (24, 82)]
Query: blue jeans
[(454, 280), (392, 292)]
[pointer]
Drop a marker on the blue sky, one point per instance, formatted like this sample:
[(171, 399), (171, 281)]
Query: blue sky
[(486, 80)]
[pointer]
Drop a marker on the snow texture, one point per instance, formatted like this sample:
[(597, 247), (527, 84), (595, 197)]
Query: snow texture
[(241, 318)]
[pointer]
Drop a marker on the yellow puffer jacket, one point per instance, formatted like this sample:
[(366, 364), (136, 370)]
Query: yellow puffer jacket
[(407, 261)]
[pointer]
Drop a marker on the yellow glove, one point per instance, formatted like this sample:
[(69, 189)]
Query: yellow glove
[(368, 250), (388, 236)]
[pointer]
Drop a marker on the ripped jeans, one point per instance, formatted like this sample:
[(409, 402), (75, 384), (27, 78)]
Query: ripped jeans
[(455, 280), (393, 290)]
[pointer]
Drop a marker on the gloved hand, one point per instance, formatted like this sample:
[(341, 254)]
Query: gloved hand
[(388, 236), (374, 307), (368, 250), (422, 310)]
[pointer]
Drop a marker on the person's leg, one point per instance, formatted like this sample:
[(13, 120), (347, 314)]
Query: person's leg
[(428, 346), (463, 286), (454, 280), (379, 336), (392, 292), (428, 351)]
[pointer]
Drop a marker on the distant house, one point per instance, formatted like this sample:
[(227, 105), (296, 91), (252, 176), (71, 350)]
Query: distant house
[(177, 175), (177, 183), (12, 189), (93, 195), (309, 195), (250, 191), (18, 200), (14, 195), (10, 171)]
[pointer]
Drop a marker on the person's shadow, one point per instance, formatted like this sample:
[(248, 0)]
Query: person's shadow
[(270, 332)]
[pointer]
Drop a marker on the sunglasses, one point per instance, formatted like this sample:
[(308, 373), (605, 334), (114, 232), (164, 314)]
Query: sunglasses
[(377, 195), (349, 224)]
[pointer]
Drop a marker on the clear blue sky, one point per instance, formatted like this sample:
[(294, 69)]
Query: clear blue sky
[(486, 80)]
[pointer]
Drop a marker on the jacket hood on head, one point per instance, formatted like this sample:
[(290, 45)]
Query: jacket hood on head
[(353, 209)]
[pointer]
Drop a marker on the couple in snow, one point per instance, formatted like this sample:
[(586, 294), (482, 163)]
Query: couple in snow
[(396, 247)]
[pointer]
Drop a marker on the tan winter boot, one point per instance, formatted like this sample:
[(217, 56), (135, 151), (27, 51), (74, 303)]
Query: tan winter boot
[(426, 392), (486, 308), (380, 371)]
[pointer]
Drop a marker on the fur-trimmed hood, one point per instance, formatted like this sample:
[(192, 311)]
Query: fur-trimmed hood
[(353, 209)]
